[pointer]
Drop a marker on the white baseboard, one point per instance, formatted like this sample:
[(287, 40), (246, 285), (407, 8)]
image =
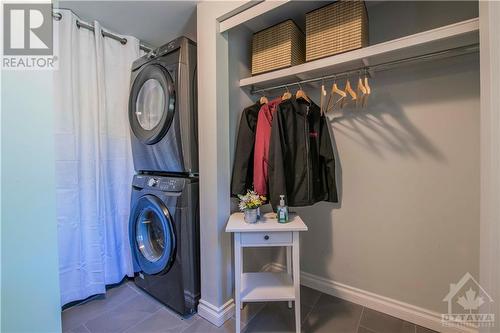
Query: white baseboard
[(216, 315), (392, 307)]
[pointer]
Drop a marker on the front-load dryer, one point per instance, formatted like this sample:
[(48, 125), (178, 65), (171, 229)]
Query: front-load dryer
[(164, 237), (163, 109)]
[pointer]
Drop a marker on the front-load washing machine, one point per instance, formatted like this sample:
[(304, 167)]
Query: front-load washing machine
[(163, 109), (164, 237)]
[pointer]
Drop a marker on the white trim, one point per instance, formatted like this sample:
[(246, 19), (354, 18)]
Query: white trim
[(392, 307), (489, 267), (216, 315), (250, 13)]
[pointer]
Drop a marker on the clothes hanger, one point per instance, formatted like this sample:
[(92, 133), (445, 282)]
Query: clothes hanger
[(368, 90), (263, 100), (343, 101), (331, 99), (348, 89), (300, 94), (322, 95), (367, 86), (286, 95), (335, 90), (349, 93), (361, 89), (341, 93)]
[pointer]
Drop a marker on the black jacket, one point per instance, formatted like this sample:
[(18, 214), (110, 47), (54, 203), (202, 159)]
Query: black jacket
[(242, 178), (301, 158)]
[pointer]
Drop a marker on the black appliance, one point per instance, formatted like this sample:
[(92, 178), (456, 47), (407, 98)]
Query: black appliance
[(164, 236), (163, 109)]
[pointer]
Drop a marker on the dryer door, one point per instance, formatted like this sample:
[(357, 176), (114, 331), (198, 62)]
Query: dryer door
[(152, 104), (152, 235)]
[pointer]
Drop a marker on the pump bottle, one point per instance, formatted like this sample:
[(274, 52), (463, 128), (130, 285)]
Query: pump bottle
[(282, 210)]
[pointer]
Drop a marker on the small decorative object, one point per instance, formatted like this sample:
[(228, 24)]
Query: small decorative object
[(282, 213), (249, 205)]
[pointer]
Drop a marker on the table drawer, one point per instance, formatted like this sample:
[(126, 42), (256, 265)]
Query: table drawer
[(266, 238)]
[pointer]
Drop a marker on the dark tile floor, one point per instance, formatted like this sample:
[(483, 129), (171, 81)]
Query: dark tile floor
[(127, 309)]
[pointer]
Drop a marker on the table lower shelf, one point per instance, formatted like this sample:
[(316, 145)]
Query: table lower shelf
[(262, 287)]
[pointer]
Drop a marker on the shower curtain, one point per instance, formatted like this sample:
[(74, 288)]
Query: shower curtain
[(94, 165)]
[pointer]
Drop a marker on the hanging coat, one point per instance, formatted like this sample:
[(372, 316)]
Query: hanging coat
[(262, 139), (301, 158), (242, 178)]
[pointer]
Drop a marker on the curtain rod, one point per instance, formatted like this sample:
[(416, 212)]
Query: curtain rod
[(452, 52), (58, 16)]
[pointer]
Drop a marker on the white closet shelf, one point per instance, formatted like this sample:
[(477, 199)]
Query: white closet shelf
[(443, 38), (262, 287)]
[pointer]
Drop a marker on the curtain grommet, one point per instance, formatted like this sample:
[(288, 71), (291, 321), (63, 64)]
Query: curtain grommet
[(57, 16)]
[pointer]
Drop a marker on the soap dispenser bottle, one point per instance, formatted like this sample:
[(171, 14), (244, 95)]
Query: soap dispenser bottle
[(282, 210)]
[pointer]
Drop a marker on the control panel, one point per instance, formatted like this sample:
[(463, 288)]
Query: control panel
[(171, 184), (166, 184)]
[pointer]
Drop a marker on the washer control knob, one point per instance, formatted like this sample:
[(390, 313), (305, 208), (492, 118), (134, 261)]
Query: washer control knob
[(266, 237), (152, 182)]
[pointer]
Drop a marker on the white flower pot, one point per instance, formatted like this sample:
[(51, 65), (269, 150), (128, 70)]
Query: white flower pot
[(251, 215)]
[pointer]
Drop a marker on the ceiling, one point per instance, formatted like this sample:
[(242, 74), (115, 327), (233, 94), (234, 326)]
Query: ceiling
[(153, 22)]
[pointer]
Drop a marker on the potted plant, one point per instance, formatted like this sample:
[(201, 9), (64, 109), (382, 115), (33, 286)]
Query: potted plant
[(249, 205)]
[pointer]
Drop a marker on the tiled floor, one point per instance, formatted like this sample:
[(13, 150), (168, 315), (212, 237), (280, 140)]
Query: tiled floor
[(127, 309)]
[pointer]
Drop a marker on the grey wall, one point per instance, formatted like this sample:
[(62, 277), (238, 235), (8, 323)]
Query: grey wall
[(393, 19), (408, 224)]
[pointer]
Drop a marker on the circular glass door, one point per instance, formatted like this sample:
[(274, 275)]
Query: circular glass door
[(152, 235), (151, 104)]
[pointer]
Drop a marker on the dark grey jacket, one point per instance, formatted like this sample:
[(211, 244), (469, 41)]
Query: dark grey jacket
[(242, 178), (301, 159)]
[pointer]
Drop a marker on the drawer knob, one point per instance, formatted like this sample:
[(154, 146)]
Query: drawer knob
[(266, 237)]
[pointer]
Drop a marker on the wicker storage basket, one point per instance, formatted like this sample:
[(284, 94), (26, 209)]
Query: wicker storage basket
[(279, 46), (336, 28)]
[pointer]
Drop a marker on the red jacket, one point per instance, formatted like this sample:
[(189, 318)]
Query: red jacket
[(261, 150)]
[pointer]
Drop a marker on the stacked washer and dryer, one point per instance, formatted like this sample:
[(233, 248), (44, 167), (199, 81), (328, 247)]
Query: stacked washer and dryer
[(164, 218)]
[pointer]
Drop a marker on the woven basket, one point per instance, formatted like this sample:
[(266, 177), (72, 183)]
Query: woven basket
[(279, 46), (336, 28)]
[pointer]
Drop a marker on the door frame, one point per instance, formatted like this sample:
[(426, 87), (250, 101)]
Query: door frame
[(489, 266), (216, 304)]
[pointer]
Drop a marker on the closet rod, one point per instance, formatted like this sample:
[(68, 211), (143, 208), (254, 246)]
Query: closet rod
[(448, 53), (58, 16)]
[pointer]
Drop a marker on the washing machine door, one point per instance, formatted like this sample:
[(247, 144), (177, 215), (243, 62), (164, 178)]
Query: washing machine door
[(152, 104), (152, 235)]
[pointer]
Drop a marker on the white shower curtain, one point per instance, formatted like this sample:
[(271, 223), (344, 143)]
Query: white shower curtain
[(93, 158)]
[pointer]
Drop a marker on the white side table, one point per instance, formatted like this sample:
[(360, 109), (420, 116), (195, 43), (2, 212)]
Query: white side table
[(266, 286)]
